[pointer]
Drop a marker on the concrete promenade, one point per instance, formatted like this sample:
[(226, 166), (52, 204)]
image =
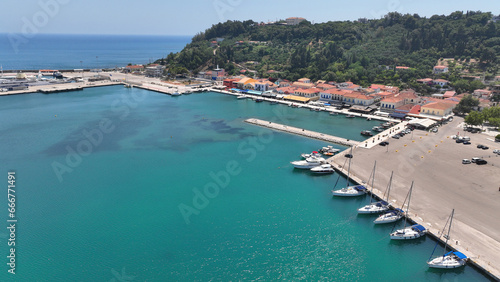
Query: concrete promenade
[(303, 132), (442, 182)]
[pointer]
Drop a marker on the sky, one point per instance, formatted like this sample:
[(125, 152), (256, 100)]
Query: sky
[(188, 17)]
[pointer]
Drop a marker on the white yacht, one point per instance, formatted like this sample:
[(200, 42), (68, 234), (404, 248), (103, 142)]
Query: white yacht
[(380, 206), (314, 154), (409, 232), (349, 191), (308, 163), (451, 259), (323, 169), (388, 217)]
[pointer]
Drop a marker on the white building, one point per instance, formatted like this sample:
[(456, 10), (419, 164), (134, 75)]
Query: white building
[(294, 20)]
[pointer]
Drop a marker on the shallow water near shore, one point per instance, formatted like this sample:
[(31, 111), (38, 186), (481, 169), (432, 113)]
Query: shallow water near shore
[(113, 212)]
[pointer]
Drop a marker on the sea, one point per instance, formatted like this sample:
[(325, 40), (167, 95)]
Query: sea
[(120, 184), (67, 52)]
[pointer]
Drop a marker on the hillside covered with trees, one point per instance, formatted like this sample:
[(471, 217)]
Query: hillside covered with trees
[(364, 51)]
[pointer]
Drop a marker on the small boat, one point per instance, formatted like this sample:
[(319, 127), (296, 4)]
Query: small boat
[(273, 103), (350, 116), (334, 113), (451, 259), (368, 118), (385, 125), (377, 129), (175, 94), (323, 169), (314, 154), (318, 110), (294, 106), (366, 133), (411, 232), (258, 100), (241, 97), (389, 217), (328, 151), (128, 86), (308, 163)]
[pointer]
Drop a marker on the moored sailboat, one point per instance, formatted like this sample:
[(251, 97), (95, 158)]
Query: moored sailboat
[(350, 191), (410, 232), (449, 259)]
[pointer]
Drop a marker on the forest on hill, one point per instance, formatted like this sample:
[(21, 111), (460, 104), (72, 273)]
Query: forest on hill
[(364, 51)]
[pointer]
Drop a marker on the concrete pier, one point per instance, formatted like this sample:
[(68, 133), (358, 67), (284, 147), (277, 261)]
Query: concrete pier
[(303, 132)]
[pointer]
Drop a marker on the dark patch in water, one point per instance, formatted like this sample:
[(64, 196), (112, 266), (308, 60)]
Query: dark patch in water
[(110, 141)]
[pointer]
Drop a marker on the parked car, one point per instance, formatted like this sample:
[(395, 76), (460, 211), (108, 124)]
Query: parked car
[(496, 151), (481, 162), (348, 156), (459, 141), (466, 161), (396, 136), (474, 160), (480, 146), (384, 143), (485, 147), (466, 142)]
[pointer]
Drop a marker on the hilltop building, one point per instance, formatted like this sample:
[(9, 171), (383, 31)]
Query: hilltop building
[(294, 20)]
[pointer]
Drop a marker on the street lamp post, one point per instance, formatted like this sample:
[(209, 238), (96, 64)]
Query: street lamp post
[(81, 66)]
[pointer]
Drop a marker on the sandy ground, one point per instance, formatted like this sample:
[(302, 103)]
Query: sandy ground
[(442, 182)]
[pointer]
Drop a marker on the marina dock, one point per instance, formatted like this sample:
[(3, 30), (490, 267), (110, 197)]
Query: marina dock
[(303, 132)]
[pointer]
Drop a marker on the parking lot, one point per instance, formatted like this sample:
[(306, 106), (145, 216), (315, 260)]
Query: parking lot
[(442, 182)]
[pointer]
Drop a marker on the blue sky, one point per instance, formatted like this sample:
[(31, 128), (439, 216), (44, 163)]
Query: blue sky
[(191, 16)]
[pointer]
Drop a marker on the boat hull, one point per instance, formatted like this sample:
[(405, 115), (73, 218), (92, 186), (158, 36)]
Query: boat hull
[(348, 192), (446, 262), (370, 209), (388, 219), (406, 234)]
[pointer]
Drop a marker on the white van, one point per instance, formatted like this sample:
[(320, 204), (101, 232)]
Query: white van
[(466, 138)]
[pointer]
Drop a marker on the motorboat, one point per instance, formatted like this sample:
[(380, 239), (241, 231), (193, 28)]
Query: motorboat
[(323, 169), (389, 217), (450, 259), (366, 133), (313, 154), (350, 116), (308, 163), (241, 97), (377, 129), (334, 113)]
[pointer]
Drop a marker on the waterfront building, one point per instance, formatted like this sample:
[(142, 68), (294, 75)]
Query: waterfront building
[(357, 98), (312, 93), (437, 109), (134, 68), (391, 103), (154, 70)]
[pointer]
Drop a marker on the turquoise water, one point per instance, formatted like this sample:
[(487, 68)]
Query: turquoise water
[(113, 215), (56, 51)]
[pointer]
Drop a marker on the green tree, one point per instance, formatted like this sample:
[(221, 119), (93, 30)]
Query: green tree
[(474, 118), (467, 104)]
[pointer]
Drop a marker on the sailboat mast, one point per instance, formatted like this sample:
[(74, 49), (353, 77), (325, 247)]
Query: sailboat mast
[(449, 229), (408, 205), (373, 181), (348, 171), (389, 188)]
